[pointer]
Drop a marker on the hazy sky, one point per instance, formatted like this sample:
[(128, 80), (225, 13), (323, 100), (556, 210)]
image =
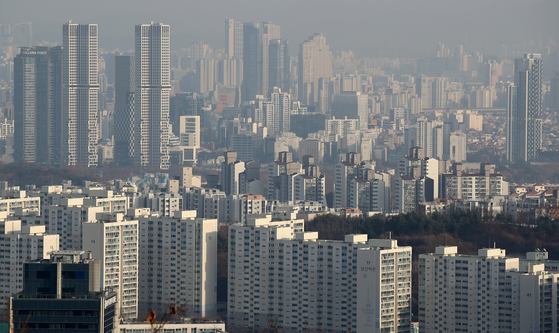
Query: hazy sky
[(366, 26)]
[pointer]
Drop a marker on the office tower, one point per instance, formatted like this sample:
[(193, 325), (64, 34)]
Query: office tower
[(487, 292), (80, 94), (524, 111), (151, 97), (114, 243), (351, 104), (124, 110), (458, 147), (256, 41), (315, 62), (178, 264), (37, 104), (279, 65), (300, 281), (63, 295), (270, 32), (233, 39), (21, 243)]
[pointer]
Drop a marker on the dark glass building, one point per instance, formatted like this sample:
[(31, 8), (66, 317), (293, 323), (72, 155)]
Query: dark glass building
[(38, 104), (63, 295)]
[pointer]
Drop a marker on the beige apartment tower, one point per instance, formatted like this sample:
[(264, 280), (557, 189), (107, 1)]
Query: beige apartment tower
[(315, 62)]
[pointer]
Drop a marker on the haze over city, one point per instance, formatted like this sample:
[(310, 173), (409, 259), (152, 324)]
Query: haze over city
[(404, 28), (249, 166)]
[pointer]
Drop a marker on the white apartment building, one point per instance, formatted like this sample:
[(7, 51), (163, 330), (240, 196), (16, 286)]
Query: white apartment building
[(17, 244), (66, 220), (299, 281), (14, 199), (178, 263), (114, 242), (189, 129), (153, 88), (80, 89), (309, 188), (473, 186), (345, 171), (487, 292), (458, 146)]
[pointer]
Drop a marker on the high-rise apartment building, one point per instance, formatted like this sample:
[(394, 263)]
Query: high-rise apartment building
[(233, 39), (473, 186), (151, 98), (178, 260), (114, 242), (124, 110), (315, 62), (66, 219), (299, 281), (80, 94), (524, 111), (487, 292), (21, 243), (38, 104), (205, 75), (277, 112)]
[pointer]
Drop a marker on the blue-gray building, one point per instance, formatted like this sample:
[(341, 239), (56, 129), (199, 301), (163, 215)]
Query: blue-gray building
[(62, 294)]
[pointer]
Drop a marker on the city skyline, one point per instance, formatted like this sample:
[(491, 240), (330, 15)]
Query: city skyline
[(450, 16)]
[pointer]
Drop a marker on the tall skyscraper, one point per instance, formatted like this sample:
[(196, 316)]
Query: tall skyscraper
[(279, 65), (80, 94), (524, 111), (151, 99), (233, 39), (315, 62), (37, 104), (252, 39), (256, 41), (124, 110)]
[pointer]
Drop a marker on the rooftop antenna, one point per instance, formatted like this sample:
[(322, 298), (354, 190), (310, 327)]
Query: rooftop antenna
[(494, 245), (390, 235)]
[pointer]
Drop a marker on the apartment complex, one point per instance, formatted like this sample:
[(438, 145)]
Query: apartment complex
[(113, 241), (277, 272), (487, 292), (19, 244), (177, 264)]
